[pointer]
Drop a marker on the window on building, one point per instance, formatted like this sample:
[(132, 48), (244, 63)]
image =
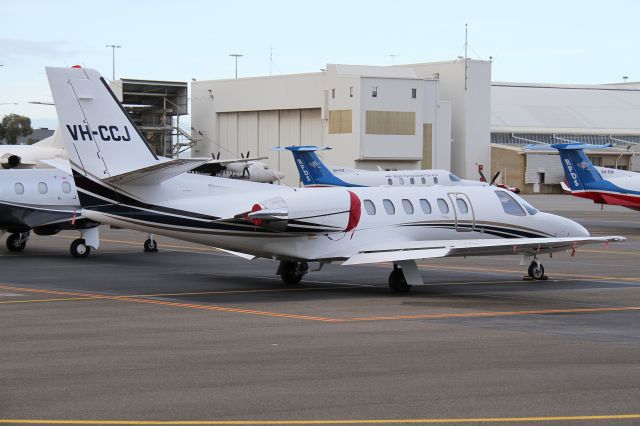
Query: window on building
[(351, 92), (19, 188), (42, 188), (425, 206), (333, 93), (374, 92), (66, 187), (369, 207), (408, 207), (388, 206), (414, 93), (462, 206), (443, 206), (509, 205)]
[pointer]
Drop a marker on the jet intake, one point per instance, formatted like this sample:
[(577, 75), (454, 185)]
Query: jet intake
[(316, 211)]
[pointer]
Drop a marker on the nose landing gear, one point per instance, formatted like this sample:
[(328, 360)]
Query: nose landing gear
[(535, 270)]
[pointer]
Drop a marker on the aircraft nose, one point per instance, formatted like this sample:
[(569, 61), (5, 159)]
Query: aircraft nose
[(278, 174), (569, 228)]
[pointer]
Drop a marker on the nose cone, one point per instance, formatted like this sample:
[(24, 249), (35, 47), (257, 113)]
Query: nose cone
[(564, 227), (278, 175)]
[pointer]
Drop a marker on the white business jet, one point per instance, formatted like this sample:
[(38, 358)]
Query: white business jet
[(314, 173), (32, 156), (122, 182)]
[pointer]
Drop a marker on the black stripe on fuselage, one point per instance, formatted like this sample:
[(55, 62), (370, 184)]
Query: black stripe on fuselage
[(501, 230)]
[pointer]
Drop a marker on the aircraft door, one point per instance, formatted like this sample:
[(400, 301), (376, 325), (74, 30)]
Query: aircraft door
[(465, 219)]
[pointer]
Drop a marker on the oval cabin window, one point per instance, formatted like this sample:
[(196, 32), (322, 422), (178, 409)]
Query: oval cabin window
[(19, 188), (66, 187), (42, 188), (369, 207), (388, 206)]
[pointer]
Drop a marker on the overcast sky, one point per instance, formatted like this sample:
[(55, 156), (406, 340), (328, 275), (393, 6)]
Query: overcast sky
[(530, 41)]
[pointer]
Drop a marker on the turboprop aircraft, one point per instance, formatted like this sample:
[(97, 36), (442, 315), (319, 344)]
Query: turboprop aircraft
[(123, 183), (586, 181), (313, 172), (246, 168)]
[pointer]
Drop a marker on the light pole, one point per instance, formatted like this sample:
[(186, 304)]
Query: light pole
[(236, 55), (113, 58)]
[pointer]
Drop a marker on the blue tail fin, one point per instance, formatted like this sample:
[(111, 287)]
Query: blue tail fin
[(312, 170), (578, 169)]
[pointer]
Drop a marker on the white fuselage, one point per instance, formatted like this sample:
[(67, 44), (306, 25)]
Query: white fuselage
[(213, 211), (401, 177)]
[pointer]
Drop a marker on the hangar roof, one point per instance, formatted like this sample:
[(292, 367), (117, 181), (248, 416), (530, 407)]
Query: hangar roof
[(555, 108)]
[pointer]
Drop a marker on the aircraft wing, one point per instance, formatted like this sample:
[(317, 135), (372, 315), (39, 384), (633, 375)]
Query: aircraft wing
[(416, 250), (156, 173), (213, 167)]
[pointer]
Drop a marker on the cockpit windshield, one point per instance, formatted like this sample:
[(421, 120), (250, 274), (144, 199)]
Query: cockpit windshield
[(509, 204), (528, 207), (454, 178)]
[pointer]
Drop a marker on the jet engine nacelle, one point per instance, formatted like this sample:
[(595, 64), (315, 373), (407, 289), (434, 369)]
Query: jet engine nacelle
[(11, 161), (321, 211)]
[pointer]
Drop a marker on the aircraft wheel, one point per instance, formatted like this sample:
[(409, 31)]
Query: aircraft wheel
[(292, 272), (150, 246), (16, 242), (397, 281), (79, 249), (536, 271)]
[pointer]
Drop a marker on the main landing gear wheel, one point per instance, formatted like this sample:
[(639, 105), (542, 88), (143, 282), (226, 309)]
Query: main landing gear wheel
[(17, 242), (292, 272), (397, 281), (79, 249), (536, 271), (150, 246)]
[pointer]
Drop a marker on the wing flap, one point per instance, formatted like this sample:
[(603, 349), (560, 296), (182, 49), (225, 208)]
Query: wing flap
[(477, 247)]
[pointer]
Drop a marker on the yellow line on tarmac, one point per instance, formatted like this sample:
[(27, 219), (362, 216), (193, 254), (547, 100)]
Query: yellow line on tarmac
[(174, 304), (8, 302), (493, 314), (426, 267), (327, 421)]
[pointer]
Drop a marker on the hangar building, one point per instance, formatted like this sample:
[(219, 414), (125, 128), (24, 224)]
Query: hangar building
[(392, 117), (431, 115)]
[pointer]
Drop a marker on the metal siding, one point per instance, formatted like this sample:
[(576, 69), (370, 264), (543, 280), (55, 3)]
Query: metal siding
[(549, 164)]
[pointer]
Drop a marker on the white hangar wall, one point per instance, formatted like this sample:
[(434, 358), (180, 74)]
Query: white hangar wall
[(369, 116)]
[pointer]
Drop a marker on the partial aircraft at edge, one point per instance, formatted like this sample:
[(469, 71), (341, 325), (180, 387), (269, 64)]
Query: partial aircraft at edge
[(125, 184), (586, 181)]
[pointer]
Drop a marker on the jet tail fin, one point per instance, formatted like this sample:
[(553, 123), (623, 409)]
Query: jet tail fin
[(100, 137), (312, 170), (578, 169)]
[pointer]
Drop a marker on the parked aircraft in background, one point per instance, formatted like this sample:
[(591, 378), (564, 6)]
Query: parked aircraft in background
[(31, 156), (313, 172), (127, 185), (45, 201), (246, 168), (584, 180)]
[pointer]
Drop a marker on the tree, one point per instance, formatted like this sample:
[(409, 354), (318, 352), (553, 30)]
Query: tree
[(14, 126)]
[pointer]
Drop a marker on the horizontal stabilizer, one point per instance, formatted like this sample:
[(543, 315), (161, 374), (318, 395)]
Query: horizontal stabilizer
[(477, 247), (156, 173), (302, 148)]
